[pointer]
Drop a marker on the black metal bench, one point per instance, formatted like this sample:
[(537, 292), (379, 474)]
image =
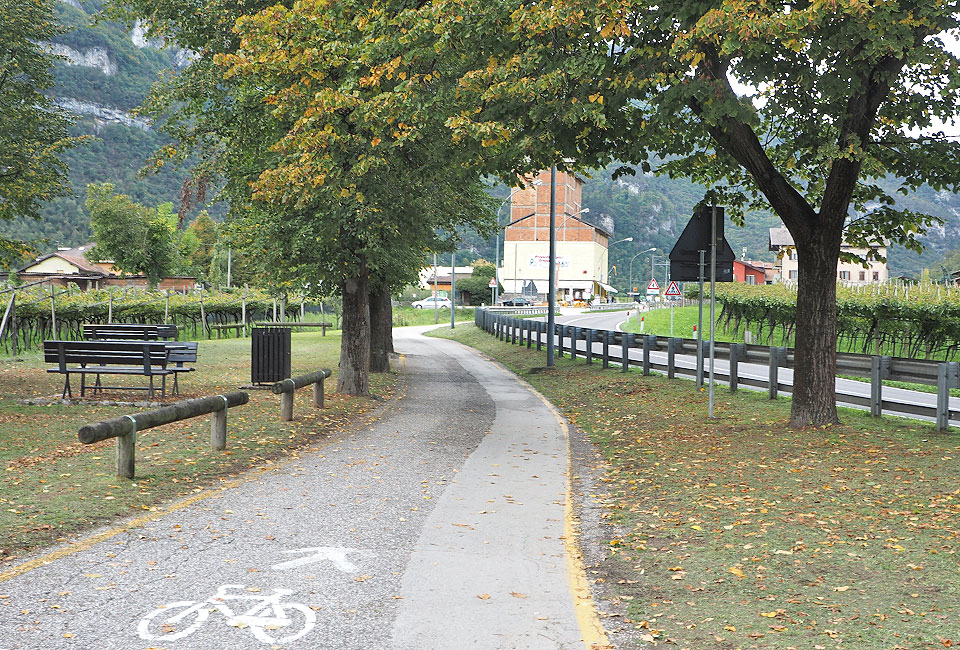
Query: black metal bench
[(145, 358), (133, 331)]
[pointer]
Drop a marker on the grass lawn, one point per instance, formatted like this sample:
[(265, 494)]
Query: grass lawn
[(53, 487), (739, 532)]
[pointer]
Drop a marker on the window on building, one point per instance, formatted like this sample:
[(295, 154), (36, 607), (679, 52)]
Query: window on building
[(863, 276), (751, 279), (793, 274), (793, 255), (876, 276), (844, 275)]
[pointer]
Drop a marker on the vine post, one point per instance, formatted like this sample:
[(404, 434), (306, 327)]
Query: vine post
[(53, 312), (166, 308), (203, 317)]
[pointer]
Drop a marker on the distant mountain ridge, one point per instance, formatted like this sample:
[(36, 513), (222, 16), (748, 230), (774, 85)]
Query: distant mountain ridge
[(107, 70)]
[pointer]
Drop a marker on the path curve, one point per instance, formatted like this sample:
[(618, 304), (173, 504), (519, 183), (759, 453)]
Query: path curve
[(444, 523)]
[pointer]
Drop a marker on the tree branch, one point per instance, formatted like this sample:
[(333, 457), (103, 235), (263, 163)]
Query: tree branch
[(740, 141)]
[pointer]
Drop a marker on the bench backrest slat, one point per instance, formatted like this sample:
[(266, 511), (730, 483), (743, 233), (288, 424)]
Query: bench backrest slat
[(184, 352), (149, 354), (130, 331)]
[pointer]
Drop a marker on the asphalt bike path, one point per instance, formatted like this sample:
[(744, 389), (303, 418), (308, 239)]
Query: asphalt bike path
[(442, 522)]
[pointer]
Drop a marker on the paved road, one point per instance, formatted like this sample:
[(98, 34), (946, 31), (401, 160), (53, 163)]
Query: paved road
[(442, 524)]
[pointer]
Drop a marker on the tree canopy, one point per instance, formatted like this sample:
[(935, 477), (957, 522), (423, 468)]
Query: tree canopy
[(136, 238), (797, 107), (33, 131)]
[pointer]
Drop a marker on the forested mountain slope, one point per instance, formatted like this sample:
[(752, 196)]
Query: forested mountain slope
[(108, 68)]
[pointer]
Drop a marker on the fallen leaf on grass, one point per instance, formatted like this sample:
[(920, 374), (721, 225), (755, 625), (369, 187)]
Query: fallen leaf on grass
[(517, 594), (483, 596)]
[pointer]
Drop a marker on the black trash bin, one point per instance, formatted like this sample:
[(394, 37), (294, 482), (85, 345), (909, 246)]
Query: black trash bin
[(270, 355)]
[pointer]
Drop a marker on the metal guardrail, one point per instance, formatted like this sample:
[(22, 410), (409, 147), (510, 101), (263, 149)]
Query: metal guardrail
[(943, 375), (529, 311), (612, 306)]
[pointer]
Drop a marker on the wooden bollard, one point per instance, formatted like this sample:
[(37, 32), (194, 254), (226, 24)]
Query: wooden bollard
[(286, 387), (124, 428)]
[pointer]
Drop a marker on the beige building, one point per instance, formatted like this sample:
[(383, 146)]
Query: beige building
[(582, 257), (69, 266), (850, 273)]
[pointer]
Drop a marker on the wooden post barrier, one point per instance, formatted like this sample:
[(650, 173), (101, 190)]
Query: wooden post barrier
[(286, 388), (292, 324), (125, 427)]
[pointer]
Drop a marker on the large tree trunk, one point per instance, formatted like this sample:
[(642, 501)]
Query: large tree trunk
[(815, 352), (381, 330), (354, 375)]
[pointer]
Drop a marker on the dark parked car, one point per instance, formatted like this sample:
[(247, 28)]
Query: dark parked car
[(519, 301)]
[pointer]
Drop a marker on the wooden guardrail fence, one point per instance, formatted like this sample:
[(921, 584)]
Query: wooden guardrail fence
[(125, 427), (286, 387)]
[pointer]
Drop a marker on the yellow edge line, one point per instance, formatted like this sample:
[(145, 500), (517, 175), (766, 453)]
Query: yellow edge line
[(594, 636), (585, 609), (137, 522)]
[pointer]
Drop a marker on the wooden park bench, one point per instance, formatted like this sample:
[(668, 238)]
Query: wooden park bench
[(145, 358), (220, 327), (179, 353), (131, 331)]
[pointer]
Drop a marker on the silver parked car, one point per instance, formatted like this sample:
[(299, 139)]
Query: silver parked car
[(432, 303)]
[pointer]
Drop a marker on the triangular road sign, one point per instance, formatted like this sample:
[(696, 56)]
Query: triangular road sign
[(673, 291), (653, 286)]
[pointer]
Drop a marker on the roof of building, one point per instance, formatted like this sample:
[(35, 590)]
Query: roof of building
[(780, 237), (77, 260), (567, 217)]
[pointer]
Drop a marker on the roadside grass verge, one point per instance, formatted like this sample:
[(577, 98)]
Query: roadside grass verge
[(53, 487), (738, 532), (403, 316)]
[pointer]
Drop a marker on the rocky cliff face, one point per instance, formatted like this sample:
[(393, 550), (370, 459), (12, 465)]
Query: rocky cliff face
[(95, 57)]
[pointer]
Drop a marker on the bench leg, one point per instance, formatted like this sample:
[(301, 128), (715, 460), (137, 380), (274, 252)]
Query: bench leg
[(66, 387), (150, 390), (83, 383), (176, 384), (98, 386)]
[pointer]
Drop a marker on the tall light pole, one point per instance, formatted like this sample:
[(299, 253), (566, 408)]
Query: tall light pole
[(552, 272), (648, 250), (496, 268)]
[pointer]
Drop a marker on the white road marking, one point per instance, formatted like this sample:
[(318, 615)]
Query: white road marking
[(336, 556)]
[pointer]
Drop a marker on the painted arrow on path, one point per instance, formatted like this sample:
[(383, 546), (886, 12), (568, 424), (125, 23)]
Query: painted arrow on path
[(336, 556)]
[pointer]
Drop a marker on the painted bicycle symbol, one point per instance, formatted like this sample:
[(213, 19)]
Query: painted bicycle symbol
[(267, 614)]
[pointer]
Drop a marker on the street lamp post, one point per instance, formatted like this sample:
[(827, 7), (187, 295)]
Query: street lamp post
[(648, 250)]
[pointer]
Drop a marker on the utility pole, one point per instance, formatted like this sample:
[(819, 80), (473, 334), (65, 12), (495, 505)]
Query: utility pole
[(552, 277)]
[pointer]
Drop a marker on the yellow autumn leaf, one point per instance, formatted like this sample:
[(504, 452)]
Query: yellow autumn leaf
[(769, 614), (483, 596), (737, 572)]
